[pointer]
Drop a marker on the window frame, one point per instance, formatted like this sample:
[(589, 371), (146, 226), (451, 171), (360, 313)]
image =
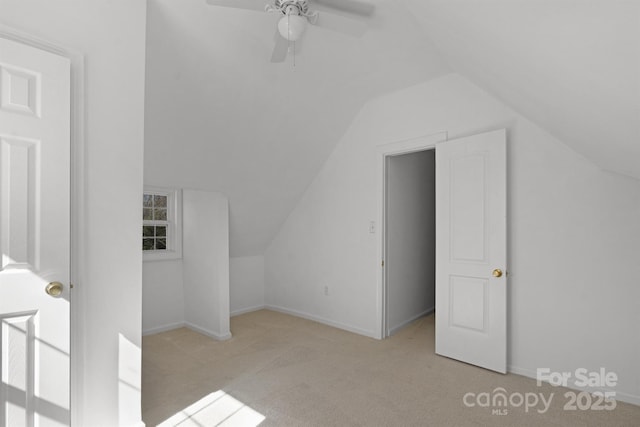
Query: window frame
[(173, 223)]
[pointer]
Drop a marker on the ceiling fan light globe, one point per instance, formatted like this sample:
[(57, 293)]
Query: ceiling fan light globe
[(291, 27)]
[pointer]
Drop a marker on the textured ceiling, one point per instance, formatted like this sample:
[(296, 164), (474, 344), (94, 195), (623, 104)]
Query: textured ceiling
[(221, 117)]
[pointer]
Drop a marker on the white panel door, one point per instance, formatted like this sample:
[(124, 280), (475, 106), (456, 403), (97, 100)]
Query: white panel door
[(34, 236), (471, 283)]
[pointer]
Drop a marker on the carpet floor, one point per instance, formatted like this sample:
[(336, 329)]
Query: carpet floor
[(280, 370)]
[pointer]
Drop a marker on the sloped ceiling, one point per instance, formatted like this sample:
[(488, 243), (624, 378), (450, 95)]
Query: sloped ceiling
[(221, 117), (571, 66)]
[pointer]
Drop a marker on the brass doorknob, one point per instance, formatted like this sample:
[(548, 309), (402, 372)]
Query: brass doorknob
[(54, 289), (497, 273)]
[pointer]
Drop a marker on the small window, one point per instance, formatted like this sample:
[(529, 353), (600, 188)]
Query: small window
[(161, 225)]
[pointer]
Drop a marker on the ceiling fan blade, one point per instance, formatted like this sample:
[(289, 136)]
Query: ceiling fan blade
[(352, 6), (257, 5), (341, 24), (280, 49)]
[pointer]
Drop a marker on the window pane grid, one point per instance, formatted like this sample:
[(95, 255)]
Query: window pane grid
[(156, 222), (154, 237)]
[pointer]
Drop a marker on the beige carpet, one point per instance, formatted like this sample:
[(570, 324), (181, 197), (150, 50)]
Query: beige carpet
[(280, 370)]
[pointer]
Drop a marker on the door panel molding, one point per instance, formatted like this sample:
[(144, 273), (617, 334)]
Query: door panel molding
[(19, 200), (471, 303), (78, 201)]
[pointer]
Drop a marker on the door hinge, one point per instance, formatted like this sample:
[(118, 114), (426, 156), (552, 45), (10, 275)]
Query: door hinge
[(383, 263)]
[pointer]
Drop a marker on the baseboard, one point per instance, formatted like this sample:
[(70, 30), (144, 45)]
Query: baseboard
[(322, 320), (620, 395), (240, 311), (405, 323), (164, 328), (628, 398), (203, 331)]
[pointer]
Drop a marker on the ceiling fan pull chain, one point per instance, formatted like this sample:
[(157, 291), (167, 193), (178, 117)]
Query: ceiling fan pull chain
[(291, 42)]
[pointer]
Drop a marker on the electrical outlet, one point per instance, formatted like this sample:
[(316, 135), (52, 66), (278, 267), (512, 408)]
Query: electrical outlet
[(372, 227), (326, 291)]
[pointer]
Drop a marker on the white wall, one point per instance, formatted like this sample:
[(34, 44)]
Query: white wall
[(246, 288), (410, 259), (205, 260), (162, 296), (163, 291), (573, 235), (111, 35)]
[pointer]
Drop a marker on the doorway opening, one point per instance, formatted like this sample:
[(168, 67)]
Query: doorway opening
[(410, 233), (470, 249), (406, 244)]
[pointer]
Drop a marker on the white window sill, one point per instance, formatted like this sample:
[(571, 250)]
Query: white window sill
[(161, 256)]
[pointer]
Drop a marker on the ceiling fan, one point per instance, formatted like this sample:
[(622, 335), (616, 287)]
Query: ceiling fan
[(297, 13)]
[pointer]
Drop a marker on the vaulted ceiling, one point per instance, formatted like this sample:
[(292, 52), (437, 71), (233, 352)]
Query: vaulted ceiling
[(221, 117), (571, 66)]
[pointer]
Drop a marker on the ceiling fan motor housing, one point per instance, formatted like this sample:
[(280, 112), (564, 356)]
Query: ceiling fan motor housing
[(289, 7)]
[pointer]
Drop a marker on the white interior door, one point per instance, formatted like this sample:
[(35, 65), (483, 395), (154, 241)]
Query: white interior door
[(471, 283), (34, 236)]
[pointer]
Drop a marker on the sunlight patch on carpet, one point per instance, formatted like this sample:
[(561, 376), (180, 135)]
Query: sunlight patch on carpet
[(215, 409)]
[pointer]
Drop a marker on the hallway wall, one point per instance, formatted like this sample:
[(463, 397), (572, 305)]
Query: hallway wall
[(410, 259)]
